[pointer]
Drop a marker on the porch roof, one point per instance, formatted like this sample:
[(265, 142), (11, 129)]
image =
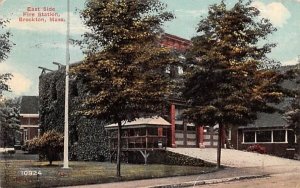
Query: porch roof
[(155, 121)]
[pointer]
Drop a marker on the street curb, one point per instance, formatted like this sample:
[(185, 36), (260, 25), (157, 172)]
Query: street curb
[(211, 181)]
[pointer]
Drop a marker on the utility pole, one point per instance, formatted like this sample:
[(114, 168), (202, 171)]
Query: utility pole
[(66, 128)]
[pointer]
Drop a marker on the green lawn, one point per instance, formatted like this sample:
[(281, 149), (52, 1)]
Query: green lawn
[(17, 173)]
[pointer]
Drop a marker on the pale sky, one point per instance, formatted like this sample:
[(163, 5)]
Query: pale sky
[(40, 44)]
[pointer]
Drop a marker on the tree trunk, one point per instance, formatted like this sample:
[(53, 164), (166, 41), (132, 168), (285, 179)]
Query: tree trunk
[(297, 145), (219, 145), (119, 150)]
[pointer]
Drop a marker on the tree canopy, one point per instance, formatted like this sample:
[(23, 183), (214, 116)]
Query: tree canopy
[(230, 77), (125, 64), (292, 114), (9, 122), (5, 47)]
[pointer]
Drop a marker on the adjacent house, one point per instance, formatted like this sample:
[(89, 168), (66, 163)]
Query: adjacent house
[(269, 130), (29, 118)]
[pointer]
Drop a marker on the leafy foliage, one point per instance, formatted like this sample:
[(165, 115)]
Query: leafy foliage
[(228, 81), (229, 78), (123, 71), (124, 77), (9, 122), (5, 44), (292, 116), (5, 47), (50, 144), (87, 137)]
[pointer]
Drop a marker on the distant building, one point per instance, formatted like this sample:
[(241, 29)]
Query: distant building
[(29, 118)]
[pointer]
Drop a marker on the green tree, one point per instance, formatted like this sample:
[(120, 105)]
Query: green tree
[(9, 122), (292, 115), (125, 63), (229, 79), (5, 47), (49, 145)]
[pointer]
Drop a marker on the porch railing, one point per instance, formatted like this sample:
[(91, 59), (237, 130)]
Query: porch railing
[(140, 142)]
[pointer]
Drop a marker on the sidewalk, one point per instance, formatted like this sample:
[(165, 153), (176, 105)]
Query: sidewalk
[(227, 174)]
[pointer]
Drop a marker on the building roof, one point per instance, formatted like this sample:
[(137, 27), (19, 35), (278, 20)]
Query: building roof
[(175, 42), (273, 120), (29, 105), (142, 122), (266, 120)]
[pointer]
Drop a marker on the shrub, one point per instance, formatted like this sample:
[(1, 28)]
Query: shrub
[(50, 144), (31, 145), (257, 149)]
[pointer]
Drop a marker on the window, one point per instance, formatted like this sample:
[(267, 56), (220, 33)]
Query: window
[(279, 136), (249, 136), (191, 128), (33, 121), (179, 127), (178, 113), (24, 121), (264, 136)]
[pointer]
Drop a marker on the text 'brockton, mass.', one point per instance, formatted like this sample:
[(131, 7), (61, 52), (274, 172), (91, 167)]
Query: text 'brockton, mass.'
[(41, 15)]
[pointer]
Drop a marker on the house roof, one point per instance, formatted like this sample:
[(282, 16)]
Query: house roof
[(265, 120), (142, 122), (29, 105)]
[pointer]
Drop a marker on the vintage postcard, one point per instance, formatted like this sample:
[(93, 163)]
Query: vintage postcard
[(149, 93)]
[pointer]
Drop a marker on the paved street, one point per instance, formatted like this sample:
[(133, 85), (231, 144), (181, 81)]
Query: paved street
[(286, 180)]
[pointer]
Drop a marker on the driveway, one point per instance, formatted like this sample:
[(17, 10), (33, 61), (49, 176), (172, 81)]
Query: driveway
[(236, 158)]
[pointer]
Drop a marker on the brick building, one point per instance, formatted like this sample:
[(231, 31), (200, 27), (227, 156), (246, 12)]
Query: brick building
[(29, 118)]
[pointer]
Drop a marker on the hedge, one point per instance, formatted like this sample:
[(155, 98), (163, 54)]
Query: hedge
[(166, 157)]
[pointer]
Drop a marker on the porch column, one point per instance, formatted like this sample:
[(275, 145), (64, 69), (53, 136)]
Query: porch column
[(160, 131), (200, 136), (146, 138), (173, 125)]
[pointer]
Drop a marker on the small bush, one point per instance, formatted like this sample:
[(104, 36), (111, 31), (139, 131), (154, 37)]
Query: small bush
[(257, 149), (50, 144), (31, 145)]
